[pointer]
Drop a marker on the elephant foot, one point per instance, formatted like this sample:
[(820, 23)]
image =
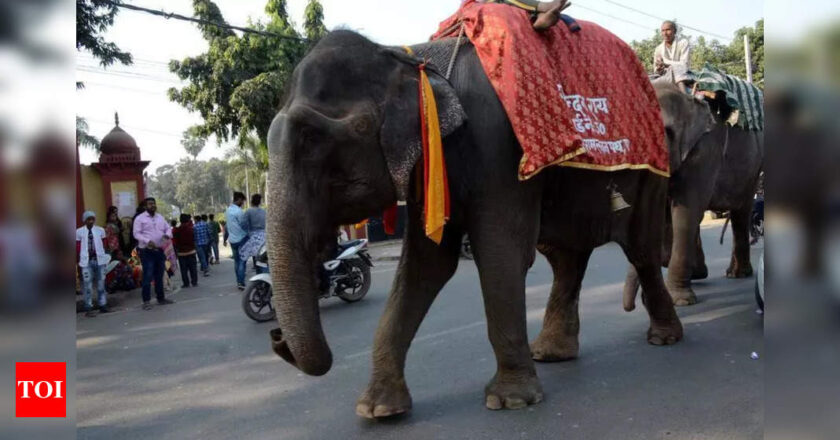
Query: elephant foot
[(665, 334), (384, 398), (682, 296), (554, 349), (739, 270), (513, 391), (700, 273)]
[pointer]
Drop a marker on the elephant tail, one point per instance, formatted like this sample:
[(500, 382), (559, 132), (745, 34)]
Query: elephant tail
[(723, 231)]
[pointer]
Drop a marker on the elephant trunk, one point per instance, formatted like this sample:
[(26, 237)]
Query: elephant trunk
[(296, 232)]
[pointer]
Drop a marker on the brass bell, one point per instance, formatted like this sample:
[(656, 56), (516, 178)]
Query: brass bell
[(617, 202)]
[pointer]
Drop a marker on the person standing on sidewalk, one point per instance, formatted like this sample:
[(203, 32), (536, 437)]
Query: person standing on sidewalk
[(237, 234), (150, 230), (92, 259), (215, 230), (184, 240), (202, 243)]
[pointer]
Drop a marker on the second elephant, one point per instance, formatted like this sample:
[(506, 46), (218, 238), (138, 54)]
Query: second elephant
[(714, 166)]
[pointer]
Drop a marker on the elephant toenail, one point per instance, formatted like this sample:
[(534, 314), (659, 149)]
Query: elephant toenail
[(493, 402), (514, 403)]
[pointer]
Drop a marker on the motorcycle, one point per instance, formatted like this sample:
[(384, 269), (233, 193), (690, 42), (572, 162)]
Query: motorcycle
[(347, 277)]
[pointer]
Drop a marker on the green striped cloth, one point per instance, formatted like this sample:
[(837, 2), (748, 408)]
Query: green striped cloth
[(740, 95)]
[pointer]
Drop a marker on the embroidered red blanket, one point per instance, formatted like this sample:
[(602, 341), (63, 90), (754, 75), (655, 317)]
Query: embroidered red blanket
[(579, 99)]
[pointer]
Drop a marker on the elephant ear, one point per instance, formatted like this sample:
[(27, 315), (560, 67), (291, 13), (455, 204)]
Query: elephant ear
[(400, 135), (700, 121)]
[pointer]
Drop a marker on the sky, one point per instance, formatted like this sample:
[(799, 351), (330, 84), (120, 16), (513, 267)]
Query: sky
[(138, 92)]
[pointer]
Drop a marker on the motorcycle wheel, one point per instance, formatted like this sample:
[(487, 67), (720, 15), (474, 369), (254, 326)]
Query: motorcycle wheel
[(352, 294), (256, 301)]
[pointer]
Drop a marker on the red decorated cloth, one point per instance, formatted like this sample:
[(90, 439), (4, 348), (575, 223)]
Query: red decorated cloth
[(578, 99)]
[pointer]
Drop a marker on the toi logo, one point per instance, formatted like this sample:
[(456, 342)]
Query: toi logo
[(40, 389)]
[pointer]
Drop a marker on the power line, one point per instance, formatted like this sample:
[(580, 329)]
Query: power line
[(168, 15), (136, 128), (614, 17), (638, 11), (124, 88), (131, 75)]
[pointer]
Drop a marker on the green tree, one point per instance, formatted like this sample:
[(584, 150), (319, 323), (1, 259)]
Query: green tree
[(236, 86), (201, 186), (93, 18), (83, 136), (162, 185), (248, 166), (644, 49), (193, 142), (313, 22)]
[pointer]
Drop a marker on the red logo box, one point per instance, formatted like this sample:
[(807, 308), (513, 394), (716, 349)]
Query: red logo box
[(40, 389)]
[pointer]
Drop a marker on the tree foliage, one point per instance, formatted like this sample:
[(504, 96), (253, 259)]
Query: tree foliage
[(193, 142), (729, 58), (83, 135), (237, 85), (192, 186), (313, 22), (93, 18), (248, 166)]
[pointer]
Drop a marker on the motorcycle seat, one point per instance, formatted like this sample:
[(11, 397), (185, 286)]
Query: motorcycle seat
[(348, 244)]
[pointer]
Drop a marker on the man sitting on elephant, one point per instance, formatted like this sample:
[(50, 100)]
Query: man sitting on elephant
[(673, 56)]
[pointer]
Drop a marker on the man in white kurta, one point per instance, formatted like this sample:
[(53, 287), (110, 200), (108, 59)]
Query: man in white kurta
[(673, 56)]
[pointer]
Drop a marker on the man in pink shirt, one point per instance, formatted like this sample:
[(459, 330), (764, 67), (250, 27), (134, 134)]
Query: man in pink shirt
[(150, 231)]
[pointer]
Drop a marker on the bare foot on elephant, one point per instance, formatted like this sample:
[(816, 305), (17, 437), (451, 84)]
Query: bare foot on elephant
[(739, 270), (554, 349), (514, 391), (384, 398), (665, 333), (682, 296)]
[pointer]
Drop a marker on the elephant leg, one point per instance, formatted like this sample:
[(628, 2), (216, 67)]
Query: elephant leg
[(685, 227), (424, 269), (558, 340), (740, 266), (700, 271), (504, 238), (665, 326)]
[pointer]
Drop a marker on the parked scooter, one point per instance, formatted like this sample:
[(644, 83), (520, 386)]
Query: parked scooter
[(347, 277)]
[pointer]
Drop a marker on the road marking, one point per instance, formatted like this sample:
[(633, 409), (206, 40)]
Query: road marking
[(716, 314)]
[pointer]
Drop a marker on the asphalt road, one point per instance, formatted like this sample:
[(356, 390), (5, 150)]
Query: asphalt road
[(201, 369)]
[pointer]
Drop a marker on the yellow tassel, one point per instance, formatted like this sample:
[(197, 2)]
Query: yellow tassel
[(436, 203), (436, 206)]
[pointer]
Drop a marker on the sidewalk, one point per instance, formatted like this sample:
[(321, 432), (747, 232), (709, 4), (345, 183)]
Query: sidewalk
[(385, 250)]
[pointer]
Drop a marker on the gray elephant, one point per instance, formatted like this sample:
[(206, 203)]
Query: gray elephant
[(714, 166), (346, 144)]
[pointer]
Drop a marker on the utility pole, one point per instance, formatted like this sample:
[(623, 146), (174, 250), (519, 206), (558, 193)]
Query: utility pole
[(247, 190), (748, 57)]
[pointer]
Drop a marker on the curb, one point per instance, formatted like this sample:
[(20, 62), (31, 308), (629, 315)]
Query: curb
[(388, 258)]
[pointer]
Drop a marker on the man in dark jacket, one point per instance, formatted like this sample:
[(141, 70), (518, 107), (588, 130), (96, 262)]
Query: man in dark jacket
[(184, 241)]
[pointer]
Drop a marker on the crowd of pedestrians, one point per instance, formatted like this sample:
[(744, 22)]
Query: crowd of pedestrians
[(150, 250)]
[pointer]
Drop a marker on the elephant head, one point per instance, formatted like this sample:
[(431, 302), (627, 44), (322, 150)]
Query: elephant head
[(687, 121), (342, 149)]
